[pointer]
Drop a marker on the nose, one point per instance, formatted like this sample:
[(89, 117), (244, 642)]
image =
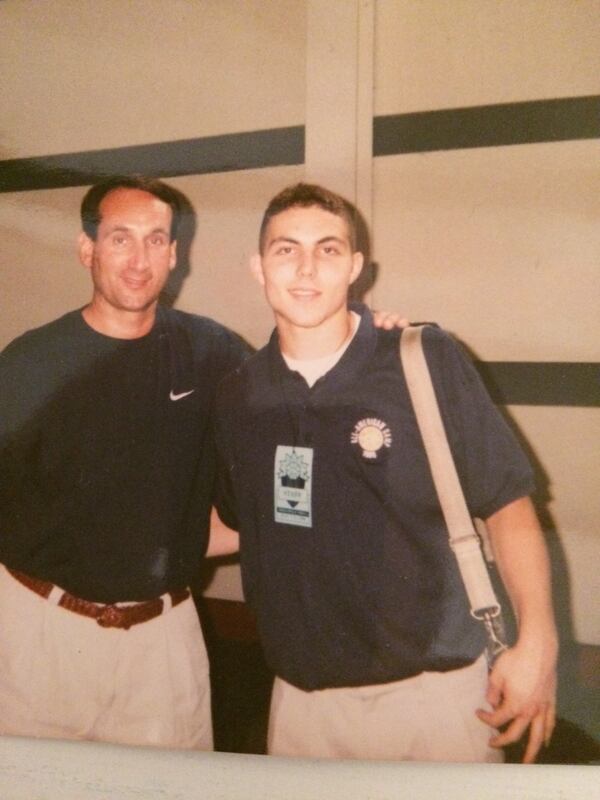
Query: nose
[(306, 265), (139, 257)]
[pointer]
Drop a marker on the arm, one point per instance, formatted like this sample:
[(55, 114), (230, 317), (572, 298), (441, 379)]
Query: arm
[(223, 541), (522, 683)]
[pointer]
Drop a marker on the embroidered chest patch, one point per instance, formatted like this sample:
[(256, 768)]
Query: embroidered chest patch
[(371, 435)]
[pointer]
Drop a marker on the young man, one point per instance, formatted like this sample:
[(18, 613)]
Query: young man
[(344, 552), (106, 485)]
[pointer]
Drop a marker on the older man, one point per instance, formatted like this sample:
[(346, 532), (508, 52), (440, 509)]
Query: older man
[(106, 486)]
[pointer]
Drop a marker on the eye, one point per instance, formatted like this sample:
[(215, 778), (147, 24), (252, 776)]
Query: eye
[(331, 250), (284, 250), (158, 240), (119, 239)]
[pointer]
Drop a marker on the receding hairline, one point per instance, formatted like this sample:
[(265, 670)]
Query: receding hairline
[(133, 189), (96, 195)]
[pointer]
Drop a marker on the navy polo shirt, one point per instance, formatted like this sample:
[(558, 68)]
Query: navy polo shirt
[(363, 588)]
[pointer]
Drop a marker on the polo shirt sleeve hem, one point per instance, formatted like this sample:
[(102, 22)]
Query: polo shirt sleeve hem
[(517, 492)]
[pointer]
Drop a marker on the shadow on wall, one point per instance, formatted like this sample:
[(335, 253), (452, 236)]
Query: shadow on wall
[(578, 703), (185, 238), (368, 277)]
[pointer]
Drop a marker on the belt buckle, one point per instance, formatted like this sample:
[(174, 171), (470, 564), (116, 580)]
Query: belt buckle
[(111, 616)]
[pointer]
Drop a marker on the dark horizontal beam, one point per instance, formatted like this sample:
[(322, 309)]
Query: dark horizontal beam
[(557, 120), (226, 153), (561, 119), (542, 383)]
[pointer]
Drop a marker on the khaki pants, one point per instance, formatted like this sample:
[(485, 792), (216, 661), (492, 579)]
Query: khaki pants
[(430, 717), (64, 676)]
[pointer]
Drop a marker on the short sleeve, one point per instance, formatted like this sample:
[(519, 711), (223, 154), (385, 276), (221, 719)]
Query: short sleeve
[(492, 467)]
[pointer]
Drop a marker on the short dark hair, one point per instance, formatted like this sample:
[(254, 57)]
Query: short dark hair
[(305, 195), (90, 205)]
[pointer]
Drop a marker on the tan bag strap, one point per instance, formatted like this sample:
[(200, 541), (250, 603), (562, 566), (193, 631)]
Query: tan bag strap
[(462, 534)]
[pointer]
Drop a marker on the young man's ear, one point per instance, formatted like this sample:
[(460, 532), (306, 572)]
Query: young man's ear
[(357, 265), (256, 268), (85, 247)]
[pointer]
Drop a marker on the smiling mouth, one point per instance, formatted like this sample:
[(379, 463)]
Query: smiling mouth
[(304, 294), (135, 283)]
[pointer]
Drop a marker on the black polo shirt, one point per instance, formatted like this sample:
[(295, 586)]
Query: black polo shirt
[(354, 582)]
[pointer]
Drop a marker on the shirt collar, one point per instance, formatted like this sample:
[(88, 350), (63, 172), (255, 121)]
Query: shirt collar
[(345, 372)]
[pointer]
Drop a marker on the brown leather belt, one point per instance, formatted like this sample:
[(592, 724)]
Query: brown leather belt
[(106, 615)]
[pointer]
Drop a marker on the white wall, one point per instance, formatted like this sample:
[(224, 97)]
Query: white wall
[(93, 75)]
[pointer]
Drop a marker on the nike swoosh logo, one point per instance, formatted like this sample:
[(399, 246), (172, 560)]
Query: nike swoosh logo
[(174, 396)]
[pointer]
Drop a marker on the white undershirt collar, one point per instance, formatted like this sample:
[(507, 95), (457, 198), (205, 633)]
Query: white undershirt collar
[(312, 369)]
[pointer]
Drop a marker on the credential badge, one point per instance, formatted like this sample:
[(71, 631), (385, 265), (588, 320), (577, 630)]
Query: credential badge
[(293, 474), (371, 434)]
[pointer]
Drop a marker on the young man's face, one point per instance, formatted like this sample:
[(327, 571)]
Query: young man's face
[(132, 255), (306, 266)]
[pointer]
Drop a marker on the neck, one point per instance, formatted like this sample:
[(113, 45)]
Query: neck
[(322, 340), (119, 324)]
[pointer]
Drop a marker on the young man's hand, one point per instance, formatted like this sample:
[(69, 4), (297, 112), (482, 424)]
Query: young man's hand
[(522, 693), (522, 684)]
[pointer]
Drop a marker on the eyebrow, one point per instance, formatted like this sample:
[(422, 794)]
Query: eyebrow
[(291, 240), (127, 229)]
